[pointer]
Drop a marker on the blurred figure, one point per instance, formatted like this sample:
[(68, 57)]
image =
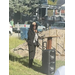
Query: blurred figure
[(12, 23), (10, 29), (60, 71)]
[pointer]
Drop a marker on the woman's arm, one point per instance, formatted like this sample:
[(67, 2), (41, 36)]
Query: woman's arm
[(30, 38)]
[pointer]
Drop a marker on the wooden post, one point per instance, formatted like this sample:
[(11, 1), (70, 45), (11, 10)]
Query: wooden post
[(49, 42), (56, 40), (63, 46), (49, 31), (64, 42)]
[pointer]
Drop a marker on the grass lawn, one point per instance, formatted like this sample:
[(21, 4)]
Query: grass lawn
[(19, 65), (14, 42)]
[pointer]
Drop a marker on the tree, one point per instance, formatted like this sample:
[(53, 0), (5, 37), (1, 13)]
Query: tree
[(23, 6)]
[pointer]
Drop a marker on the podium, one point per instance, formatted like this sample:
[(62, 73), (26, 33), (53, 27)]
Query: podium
[(49, 57), (49, 41)]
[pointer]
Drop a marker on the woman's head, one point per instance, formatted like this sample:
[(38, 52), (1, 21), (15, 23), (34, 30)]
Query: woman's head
[(33, 26)]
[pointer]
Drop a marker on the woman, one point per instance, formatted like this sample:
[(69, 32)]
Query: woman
[(32, 41)]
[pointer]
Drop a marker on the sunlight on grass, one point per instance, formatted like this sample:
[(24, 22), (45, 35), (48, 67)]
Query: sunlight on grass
[(19, 65), (59, 63), (14, 42)]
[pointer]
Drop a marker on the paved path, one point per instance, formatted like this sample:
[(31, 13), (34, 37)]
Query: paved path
[(15, 35)]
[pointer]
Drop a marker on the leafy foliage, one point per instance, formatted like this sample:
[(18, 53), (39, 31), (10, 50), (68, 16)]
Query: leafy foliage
[(23, 6)]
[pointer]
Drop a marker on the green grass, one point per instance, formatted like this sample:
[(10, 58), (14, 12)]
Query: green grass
[(19, 65), (14, 42)]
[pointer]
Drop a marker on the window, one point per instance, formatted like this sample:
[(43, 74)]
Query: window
[(59, 24), (55, 24), (62, 24), (26, 22)]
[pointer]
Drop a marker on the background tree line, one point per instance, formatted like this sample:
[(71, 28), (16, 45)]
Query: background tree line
[(17, 8)]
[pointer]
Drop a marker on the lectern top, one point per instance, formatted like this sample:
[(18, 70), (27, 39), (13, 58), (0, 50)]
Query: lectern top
[(51, 36)]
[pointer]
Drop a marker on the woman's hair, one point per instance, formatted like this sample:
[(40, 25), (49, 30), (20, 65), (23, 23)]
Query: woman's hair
[(31, 25)]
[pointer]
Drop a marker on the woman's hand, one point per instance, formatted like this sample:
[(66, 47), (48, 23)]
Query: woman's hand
[(35, 31), (40, 37)]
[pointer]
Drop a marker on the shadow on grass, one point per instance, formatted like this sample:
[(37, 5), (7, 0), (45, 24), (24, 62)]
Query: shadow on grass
[(22, 60), (37, 68), (25, 61)]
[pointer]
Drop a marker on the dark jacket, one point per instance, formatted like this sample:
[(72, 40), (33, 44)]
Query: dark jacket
[(31, 35), (31, 45)]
